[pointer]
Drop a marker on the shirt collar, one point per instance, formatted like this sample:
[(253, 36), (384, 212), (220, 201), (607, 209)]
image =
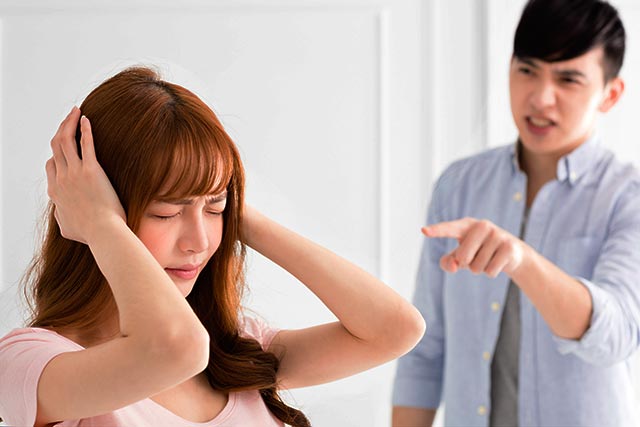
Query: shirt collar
[(578, 162), (571, 166)]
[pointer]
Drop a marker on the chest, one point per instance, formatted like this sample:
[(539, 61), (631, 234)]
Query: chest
[(193, 400)]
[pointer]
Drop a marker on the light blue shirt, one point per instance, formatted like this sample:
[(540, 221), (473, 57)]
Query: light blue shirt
[(587, 222)]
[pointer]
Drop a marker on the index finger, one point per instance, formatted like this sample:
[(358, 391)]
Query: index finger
[(67, 128), (451, 229), (86, 140)]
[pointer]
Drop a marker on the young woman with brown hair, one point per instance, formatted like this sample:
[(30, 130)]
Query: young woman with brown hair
[(147, 208)]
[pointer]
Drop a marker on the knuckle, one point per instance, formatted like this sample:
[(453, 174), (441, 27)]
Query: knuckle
[(486, 226)]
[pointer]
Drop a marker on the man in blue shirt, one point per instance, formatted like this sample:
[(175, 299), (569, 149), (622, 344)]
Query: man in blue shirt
[(529, 279)]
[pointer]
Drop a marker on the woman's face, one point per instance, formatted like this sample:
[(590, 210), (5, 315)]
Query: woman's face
[(183, 234)]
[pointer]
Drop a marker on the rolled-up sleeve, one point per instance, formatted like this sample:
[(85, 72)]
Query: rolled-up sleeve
[(614, 331)]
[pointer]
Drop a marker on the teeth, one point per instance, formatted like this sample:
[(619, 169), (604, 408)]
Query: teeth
[(540, 122)]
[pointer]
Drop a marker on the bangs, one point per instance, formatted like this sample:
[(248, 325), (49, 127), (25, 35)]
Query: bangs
[(197, 161)]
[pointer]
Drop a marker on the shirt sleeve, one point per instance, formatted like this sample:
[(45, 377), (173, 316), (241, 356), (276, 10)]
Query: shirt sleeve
[(259, 330), (614, 331), (24, 353), (419, 374)]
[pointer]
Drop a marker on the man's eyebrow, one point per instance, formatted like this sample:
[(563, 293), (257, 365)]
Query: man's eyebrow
[(570, 73), (528, 61)]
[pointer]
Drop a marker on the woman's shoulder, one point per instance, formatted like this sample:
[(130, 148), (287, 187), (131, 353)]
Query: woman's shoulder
[(24, 353), (255, 327), (24, 345), (35, 337)]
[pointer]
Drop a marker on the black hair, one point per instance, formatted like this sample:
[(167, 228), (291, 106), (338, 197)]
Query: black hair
[(558, 30)]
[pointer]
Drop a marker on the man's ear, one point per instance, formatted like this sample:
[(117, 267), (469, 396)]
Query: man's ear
[(612, 92)]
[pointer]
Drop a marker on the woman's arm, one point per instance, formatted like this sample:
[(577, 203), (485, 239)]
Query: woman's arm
[(375, 324), (161, 341)]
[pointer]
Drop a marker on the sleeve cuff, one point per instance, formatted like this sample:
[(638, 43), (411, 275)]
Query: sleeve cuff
[(598, 326), (416, 392)]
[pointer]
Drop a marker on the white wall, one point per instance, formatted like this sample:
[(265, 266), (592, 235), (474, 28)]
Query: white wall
[(344, 111)]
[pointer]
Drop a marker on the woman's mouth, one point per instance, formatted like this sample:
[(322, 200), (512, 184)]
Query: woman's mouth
[(185, 272)]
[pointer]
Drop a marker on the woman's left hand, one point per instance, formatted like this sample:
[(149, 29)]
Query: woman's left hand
[(79, 188)]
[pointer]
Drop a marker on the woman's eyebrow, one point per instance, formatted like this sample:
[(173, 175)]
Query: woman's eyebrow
[(210, 200), (216, 199)]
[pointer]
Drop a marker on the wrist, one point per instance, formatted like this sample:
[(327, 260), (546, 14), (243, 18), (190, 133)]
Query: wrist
[(104, 227), (248, 225), (522, 266)]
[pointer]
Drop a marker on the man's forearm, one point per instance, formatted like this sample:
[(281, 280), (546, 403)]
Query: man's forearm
[(404, 416), (564, 302)]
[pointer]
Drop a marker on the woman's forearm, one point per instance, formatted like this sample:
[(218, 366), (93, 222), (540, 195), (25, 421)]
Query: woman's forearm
[(146, 297), (366, 307)]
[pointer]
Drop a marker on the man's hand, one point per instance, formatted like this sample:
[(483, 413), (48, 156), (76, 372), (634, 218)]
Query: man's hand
[(483, 247)]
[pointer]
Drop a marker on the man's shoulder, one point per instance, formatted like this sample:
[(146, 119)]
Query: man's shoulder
[(473, 168), (613, 169)]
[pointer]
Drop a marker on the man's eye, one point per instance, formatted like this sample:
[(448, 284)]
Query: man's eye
[(214, 213), (525, 70)]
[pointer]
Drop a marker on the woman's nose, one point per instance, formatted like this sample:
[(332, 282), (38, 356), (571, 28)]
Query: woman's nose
[(194, 237)]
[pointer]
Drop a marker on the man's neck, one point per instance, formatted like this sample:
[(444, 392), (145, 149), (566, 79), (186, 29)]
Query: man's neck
[(540, 168)]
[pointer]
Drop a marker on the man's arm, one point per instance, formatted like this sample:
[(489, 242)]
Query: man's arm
[(404, 416), (484, 248)]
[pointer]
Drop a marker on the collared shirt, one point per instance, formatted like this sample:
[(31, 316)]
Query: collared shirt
[(587, 222)]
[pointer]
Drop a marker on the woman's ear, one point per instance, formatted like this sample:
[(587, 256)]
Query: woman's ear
[(612, 92)]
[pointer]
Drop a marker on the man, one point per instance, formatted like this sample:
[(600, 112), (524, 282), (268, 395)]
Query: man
[(529, 280)]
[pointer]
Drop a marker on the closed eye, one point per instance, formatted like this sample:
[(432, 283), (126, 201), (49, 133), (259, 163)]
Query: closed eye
[(165, 217)]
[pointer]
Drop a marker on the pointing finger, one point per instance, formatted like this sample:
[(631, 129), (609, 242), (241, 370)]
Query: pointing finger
[(451, 229)]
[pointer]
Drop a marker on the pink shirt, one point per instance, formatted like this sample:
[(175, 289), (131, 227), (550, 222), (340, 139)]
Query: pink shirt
[(25, 352)]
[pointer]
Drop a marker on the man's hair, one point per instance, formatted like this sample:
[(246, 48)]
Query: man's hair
[(558, 30)]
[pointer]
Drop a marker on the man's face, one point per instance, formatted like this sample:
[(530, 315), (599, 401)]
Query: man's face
[(555, 104)]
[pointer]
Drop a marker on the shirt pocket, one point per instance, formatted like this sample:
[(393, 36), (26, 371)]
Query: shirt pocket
[(577, 256)]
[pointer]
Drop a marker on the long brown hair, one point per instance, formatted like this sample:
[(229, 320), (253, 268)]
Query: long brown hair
[(151, 135)]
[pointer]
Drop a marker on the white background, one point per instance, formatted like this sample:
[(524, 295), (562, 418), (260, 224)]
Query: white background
[(344, 112)]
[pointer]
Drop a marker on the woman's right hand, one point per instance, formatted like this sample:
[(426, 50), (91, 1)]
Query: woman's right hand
[(80, 190)]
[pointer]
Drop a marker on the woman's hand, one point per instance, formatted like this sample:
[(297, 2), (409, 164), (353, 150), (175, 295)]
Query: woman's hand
[(78, 187)]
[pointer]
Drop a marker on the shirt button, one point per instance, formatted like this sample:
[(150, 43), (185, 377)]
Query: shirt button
[(486, 355), (517, 196), (495, 306), (482, 410), (573, 176)]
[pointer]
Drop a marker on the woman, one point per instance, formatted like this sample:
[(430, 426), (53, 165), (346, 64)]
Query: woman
[(147, 209)]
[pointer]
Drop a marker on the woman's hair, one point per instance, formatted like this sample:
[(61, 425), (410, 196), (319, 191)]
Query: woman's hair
[(155, 139)]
